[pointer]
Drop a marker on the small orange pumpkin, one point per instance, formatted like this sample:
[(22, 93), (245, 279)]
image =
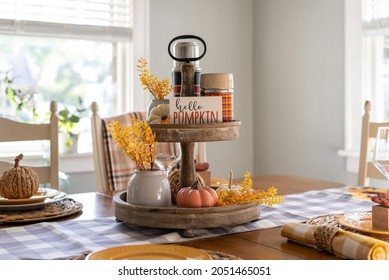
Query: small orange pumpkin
[(197, 196), (174, 179)]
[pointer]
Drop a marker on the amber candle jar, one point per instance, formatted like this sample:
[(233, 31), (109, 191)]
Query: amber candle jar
[(220, 84)]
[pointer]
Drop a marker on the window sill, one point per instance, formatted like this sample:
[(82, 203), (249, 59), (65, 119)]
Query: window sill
[(68, 163), (352, 160), (76, 163)]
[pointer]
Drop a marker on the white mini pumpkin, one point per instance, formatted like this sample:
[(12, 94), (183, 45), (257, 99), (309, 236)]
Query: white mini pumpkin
[(159, 114), (230, 188)]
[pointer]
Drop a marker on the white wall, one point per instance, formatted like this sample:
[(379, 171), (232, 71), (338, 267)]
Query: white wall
[(299, 88), (227, 28), (287, 57)]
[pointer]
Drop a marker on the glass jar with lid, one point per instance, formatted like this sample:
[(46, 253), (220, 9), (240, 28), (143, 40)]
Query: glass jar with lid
[(220, 84)]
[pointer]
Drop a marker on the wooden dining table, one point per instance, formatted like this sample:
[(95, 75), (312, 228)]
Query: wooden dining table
[(263, 244)]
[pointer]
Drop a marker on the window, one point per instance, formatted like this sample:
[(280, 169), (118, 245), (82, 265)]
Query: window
[(375, 53), (366, 69), (64, 49)]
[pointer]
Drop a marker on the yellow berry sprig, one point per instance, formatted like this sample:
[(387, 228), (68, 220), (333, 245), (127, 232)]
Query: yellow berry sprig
[(137, 142), (247, 194), (159, 89)]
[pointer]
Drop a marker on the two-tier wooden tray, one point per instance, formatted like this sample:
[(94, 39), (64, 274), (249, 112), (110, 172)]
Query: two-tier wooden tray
[(188, 218), (184, 218)]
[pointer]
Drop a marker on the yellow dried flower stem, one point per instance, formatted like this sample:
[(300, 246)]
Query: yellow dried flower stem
[(247, 194), (137, 142), (159, 89)]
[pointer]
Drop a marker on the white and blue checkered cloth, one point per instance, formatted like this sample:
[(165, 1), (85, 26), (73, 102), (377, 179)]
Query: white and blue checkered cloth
[(75, 238)]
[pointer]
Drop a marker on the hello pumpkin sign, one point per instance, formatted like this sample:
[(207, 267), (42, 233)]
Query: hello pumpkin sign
[(195, 110)]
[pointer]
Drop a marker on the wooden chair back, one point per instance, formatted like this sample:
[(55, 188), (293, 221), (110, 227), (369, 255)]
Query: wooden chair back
[(367, 170), (14, 131), (113, 168)]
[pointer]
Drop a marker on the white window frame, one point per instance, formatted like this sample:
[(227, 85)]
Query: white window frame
[(353, 84), (128, 83)]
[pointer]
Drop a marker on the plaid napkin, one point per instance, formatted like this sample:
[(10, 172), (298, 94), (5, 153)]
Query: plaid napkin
[(119, 165), (342, 243)]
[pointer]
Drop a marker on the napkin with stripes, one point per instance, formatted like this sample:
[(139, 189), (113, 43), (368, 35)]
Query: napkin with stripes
[(119, 166), (342, 243)]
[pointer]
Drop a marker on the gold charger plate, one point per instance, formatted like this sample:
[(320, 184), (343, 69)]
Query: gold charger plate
[(150, 252), (361, 222), (40, 196)]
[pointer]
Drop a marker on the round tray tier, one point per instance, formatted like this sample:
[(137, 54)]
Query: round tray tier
[(196, 132), (184, 218)]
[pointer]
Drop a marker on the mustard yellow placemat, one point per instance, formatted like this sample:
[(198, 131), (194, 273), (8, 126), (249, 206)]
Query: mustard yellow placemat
[(366, 192)]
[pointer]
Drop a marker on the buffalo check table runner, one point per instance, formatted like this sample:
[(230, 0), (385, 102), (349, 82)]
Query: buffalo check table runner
[(75, 238)]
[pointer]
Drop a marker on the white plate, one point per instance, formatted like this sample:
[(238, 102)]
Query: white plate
[(33, 205), (40, 196)]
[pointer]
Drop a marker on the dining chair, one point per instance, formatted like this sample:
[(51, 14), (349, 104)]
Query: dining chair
[(15, 131), (369, 130), (113, 168)]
